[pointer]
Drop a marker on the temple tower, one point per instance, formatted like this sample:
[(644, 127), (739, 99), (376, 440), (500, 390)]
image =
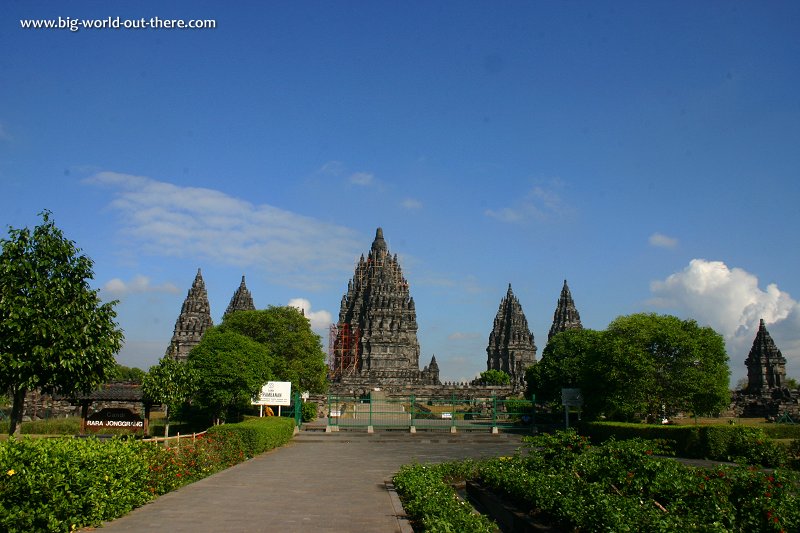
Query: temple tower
[(511, 347), (376, 336), (192, 323), (241, 300), (566, 315), (766, 366)]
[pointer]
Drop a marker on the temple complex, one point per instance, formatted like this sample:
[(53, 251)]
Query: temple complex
[(566, 315), (241, 300), (192, 323), (375, 341), (511, 347)]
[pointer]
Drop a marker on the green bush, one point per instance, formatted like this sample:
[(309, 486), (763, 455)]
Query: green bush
[(309, 411), (257, 435), (433, 504), (782, 431)]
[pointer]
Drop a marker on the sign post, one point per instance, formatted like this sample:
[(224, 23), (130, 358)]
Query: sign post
[(273, 393), (570, 398)]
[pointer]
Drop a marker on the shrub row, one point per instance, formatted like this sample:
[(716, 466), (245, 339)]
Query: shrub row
[(623, 486), (718, 442), (64, 484), (431, 502)]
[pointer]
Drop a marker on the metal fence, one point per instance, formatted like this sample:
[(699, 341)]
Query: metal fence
[(451, 414)]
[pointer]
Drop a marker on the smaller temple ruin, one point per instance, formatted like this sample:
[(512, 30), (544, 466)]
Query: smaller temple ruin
[(566, 314)]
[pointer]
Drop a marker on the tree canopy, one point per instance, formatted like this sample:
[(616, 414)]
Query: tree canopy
[(494, 377), (642, 366), (55, 334), (169, 383)]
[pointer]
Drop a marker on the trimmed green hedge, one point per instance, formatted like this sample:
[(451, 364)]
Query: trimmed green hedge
[(717, 442), (64, 484), (257, 435)]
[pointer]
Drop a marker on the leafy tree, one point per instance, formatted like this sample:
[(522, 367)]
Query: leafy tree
[(169, 383), (494, 377), (791, 383), (230, 369), (128, 374), (642, 365), (296, 351), (55, 334)]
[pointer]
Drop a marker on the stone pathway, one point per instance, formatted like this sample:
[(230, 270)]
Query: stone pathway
[(330, 482)]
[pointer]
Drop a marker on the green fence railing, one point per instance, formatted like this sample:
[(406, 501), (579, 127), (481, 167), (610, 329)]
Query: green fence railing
[(431, 414)]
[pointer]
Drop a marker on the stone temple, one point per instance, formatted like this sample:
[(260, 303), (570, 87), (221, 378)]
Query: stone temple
[(375, 340), (766, 366), (511, 347), (566, 315), (241, 300), (192, 323)]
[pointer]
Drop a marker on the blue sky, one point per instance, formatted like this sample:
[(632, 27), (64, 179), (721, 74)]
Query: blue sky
[(647, 152)]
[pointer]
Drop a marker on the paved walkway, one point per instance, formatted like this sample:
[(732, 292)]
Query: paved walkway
[(330, 482)]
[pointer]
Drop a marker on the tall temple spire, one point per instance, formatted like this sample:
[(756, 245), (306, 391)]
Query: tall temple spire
[(192, 323), (511, 346), (766, 366), (566, 315), (241, 300), (375, 340)]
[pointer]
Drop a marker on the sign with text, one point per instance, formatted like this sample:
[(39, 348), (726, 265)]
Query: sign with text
[(571, 398), (274, 393), (114, 418)]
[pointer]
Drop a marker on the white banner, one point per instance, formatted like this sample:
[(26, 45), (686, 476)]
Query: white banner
[(275, 393)]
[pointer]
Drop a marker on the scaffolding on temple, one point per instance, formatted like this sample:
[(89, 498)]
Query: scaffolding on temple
[(344, 348)]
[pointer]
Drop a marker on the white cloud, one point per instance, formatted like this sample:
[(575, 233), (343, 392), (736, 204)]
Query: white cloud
[(163, 219), (730, 301), (540, 203), (334, 168), (320, 320), (411, 204), (139, 284), (660, 240), (361, 178)]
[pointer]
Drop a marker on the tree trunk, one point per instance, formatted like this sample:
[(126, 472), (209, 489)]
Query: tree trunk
[(17, 409), (166, 423)]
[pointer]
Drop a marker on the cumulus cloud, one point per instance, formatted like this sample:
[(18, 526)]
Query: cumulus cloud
[(168, 220), (660, 240), (411, 204), (361, 178), (730, 301), (540, 203), (320, 320), (139, 284)]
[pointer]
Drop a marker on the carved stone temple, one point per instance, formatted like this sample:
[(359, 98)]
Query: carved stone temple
[(766, 394), (566, 315), (192, 323), (511, 347), (375, 340), (241, 300)]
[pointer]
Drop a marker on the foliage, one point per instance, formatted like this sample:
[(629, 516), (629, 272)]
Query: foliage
[(432, 503), (309, 411), (230, 368), (791, 383), (65, 484), (170, 383), (624, 486), (718, 442), (642, 366), (54, 332), (258, 435), (296, 351), (128, 374), (494, 377)]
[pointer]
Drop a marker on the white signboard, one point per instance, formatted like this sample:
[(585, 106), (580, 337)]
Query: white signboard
[(275, 393), (571, 398), (447, 415)]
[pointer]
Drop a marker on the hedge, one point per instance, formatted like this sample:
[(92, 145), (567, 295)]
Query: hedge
[(717, 442), (63, 484)]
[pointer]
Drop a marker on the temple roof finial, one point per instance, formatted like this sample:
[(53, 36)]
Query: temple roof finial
[(379, 243)]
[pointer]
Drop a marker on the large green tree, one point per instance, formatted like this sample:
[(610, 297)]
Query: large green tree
[(286, 333), (55, 334), (642, 366), (169, 383), (230, 369)]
